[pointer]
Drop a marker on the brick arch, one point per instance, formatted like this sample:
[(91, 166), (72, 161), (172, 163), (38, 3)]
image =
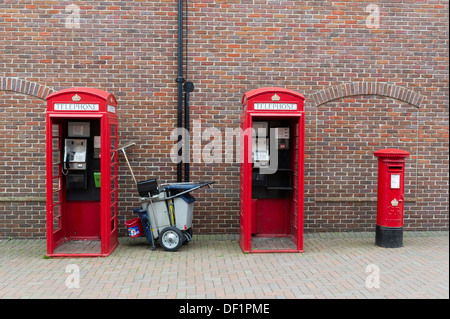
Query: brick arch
[(320, 98), (360, 88), (25, 87)]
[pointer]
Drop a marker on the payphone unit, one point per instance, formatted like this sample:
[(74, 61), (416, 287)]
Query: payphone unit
[(74, 157), (271, 205), (75, 163), (271, 170), (75, 154), (81, 173)]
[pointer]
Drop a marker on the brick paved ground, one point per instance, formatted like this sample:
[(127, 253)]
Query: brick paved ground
[(333, 266)]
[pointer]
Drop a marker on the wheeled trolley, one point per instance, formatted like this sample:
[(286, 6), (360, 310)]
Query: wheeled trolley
[(166, 211)]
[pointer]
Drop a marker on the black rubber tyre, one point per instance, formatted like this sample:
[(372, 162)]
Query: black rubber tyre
[(171, 239)]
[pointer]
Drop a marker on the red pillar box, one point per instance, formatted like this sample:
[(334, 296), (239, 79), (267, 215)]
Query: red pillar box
[(81, 174), (272, 161), (391, 189)]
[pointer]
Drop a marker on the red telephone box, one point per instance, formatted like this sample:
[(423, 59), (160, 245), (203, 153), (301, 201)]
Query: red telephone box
[(391, 189), (272, 167), (81, 149)]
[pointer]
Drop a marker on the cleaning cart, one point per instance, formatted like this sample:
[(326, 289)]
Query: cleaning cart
[(166, 211)]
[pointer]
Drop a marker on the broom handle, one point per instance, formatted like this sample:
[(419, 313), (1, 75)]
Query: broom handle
[(129, 166)]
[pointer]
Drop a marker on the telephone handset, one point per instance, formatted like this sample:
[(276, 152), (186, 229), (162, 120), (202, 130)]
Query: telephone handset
[(75, 154), (66, 160), (260, 154)]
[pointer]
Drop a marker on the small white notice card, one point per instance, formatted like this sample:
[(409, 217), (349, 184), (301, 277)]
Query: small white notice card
[(395, 181)]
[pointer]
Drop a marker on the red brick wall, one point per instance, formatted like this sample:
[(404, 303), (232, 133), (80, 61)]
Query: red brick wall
[(365, 89)]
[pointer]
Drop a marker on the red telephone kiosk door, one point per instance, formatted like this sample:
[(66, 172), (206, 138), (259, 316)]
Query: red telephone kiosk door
[(271, 172), (81, 163)]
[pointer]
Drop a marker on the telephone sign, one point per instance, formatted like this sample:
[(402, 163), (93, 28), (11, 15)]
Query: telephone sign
[(275, 106), (75, 107)]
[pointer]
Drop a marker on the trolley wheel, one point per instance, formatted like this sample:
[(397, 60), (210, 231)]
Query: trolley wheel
[(171, 239)]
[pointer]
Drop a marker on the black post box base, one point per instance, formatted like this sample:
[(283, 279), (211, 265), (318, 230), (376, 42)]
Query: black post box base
[(389, 237)]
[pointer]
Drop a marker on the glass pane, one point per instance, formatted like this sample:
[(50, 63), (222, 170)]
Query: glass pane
[(55, 143), (56, 157), (113, 130), (295, 221), (113, 144), (113, 183), (56, 184), (56, 217), (113, 211), (56, 197), (56, 223), (55, 170), (55, 130)]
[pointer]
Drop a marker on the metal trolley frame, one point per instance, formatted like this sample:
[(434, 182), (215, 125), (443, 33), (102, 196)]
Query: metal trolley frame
[(166, 211)]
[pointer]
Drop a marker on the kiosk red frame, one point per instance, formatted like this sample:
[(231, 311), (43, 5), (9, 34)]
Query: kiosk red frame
[(278, 216), (82, 222)]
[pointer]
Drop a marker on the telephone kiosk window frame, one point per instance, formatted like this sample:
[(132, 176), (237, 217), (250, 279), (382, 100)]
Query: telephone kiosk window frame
[(79, 210), (271, 205)]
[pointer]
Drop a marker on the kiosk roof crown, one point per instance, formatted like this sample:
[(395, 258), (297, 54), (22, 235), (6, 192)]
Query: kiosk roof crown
[(254, 93), (273, 99), (81, 100), (90, 91)]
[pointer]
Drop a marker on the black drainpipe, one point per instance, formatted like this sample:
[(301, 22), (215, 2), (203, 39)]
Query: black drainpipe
[(180, 81), (188, 88)]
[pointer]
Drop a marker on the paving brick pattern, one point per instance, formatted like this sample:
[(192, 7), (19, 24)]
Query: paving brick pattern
[(334, 265)]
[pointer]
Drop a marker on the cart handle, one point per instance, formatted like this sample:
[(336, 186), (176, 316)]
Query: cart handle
[(186, 183), (190, 190)]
